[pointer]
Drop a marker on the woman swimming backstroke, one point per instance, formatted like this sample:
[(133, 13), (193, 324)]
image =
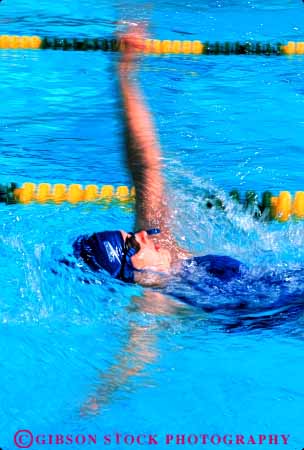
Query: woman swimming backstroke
[(153, 250)]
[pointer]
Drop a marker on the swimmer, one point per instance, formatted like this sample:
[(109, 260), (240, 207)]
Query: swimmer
[(150, 255)]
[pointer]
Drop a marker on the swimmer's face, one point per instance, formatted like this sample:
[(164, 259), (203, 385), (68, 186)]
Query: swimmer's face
[(150, 255)]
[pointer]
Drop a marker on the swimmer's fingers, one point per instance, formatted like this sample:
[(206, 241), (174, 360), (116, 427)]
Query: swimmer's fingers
[(132, 44), (133, 37)]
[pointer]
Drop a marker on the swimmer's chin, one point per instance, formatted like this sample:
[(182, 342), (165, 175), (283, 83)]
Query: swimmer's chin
[(152, 278)]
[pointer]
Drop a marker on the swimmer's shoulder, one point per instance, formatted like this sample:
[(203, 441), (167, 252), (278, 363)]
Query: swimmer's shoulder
[(222, 267)]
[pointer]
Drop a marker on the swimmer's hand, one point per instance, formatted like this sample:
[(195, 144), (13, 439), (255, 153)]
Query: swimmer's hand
[(132, 45)]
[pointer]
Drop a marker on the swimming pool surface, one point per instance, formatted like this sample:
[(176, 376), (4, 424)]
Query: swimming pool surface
[(105, 358)]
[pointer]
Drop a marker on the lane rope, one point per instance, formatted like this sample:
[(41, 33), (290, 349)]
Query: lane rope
[(282, 207), (152, 46), (59, 193)]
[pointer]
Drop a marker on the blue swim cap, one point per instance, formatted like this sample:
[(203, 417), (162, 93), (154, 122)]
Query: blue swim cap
[(106, 250)]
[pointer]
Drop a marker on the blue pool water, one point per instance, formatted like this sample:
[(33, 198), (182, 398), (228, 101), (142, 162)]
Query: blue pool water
[(105, 358)]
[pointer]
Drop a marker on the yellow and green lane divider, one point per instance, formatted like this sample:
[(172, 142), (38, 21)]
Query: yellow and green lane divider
[(153, 46), (282, 207), (59, 193)]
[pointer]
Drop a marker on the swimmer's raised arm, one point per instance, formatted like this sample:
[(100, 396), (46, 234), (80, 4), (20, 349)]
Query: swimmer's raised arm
[(142, 146), (143, 149), (143, 155)]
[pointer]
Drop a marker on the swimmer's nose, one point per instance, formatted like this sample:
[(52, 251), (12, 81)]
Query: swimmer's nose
[(157, 247), (142, 236)]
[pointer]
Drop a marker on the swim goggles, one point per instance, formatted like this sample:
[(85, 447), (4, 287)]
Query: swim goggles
[(132, 247)]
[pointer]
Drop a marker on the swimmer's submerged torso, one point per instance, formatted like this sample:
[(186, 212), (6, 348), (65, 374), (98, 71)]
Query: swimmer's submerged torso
[(223, 284), (212, 283)]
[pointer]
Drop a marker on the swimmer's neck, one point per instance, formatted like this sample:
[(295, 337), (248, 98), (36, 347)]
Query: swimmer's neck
[(151, 278)]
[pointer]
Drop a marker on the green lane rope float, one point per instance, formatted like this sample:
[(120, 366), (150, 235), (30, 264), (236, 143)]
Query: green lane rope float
[(153, 46), (281, 207)]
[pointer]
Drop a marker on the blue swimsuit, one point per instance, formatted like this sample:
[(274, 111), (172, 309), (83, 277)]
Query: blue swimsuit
[(222, 267), (203, 276), (223, 284)]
